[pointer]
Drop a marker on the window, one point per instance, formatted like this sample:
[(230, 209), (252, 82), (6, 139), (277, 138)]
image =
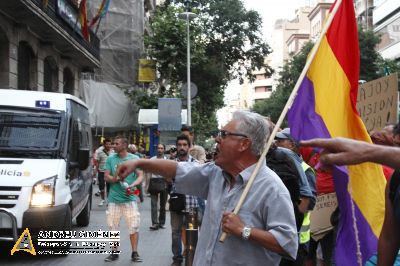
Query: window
[(50, 75), (74, 143), (4, 60), (68, 81), (26, 67), (390, 34), (260, 89), (27, 130), (260, 76)]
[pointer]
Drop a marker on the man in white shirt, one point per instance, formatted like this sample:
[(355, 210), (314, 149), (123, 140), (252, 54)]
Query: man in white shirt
[(158, 191)]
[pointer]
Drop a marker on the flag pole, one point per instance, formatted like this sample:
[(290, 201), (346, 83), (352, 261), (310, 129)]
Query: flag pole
[(97, 27), (284, 112)]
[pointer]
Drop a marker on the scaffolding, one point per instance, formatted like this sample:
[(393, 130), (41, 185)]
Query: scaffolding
[(121, 40)]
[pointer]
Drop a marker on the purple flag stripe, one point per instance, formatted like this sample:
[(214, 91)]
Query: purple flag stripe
[(305, 123), (346, 246)]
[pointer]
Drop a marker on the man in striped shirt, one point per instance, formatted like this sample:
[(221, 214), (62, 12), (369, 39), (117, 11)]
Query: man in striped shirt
[(178, 217)]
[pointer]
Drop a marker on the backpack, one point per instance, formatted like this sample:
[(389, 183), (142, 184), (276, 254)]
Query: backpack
[(280, 161)]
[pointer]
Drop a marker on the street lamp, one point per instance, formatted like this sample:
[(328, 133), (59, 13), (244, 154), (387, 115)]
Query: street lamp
[(188, 16)]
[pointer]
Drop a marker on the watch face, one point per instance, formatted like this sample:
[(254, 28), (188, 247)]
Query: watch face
[(246, 232)]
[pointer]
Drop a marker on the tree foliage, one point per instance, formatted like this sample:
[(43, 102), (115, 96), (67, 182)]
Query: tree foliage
[(372, 66), (387, 66), (367, 41), (226, 43)]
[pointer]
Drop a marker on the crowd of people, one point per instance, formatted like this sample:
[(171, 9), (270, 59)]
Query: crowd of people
[(121, 203), (273, 224)]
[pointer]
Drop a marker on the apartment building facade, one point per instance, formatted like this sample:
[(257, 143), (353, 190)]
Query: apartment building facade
[(42, 47)]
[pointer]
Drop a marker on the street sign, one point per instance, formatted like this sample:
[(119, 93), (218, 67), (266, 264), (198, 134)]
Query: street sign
[(169, 114), (193, 90)]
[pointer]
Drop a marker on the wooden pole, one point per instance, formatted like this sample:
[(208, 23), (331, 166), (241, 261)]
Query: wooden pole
[(284, 112), (98, 24)]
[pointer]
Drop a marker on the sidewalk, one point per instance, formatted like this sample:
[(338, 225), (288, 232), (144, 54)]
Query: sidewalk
[(154, 246)]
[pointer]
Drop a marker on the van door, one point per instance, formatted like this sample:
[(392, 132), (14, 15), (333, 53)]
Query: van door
[(75, 182), (79, 139)]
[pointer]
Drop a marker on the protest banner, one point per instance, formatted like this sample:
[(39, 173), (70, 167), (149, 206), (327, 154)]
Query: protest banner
[(377, 102), (321, 215)]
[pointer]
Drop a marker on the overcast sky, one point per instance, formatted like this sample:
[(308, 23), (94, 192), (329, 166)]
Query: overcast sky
[(271, 10)]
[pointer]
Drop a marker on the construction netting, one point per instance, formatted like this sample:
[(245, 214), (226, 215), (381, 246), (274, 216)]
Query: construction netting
[(121, 38), (108, 106)]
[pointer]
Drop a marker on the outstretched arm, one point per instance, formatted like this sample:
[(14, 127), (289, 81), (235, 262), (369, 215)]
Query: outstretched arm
[(389, 239), (343, 151), (165, 168)]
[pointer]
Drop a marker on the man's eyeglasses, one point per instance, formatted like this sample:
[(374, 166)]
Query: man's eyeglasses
[(223, 134)]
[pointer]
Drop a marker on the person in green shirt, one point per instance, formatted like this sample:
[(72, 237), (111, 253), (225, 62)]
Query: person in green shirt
[(120, 202)]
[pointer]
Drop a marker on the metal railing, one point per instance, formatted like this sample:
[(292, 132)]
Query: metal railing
[(51, 10)]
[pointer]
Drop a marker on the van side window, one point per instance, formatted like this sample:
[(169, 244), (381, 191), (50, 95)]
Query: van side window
[(84, 136), (79, 131), (74, 144), (87, 137), (81, 138)]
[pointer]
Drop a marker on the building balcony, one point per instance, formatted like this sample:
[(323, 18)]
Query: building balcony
[(262, 95), (262, 83), (384, 10), (57, 25)]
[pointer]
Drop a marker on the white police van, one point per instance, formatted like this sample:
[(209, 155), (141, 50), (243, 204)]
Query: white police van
[(45, 166)]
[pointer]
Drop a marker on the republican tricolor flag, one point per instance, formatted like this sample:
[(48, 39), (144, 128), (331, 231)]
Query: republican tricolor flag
[(83, 20), (325, 107), (103, 9)]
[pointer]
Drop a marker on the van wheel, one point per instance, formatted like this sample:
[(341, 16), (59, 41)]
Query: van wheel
[(68, 220), (83, 218)]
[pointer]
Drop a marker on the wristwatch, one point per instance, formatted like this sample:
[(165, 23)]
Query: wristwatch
[(246, 232)]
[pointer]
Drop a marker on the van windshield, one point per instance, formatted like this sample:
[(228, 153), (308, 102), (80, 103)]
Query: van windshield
[(33, 134)]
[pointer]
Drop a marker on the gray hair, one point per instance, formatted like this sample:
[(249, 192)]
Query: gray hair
[(255, 127), (132, 147), (199, 153)]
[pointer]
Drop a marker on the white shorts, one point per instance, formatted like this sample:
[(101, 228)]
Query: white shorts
[(130, 212)]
